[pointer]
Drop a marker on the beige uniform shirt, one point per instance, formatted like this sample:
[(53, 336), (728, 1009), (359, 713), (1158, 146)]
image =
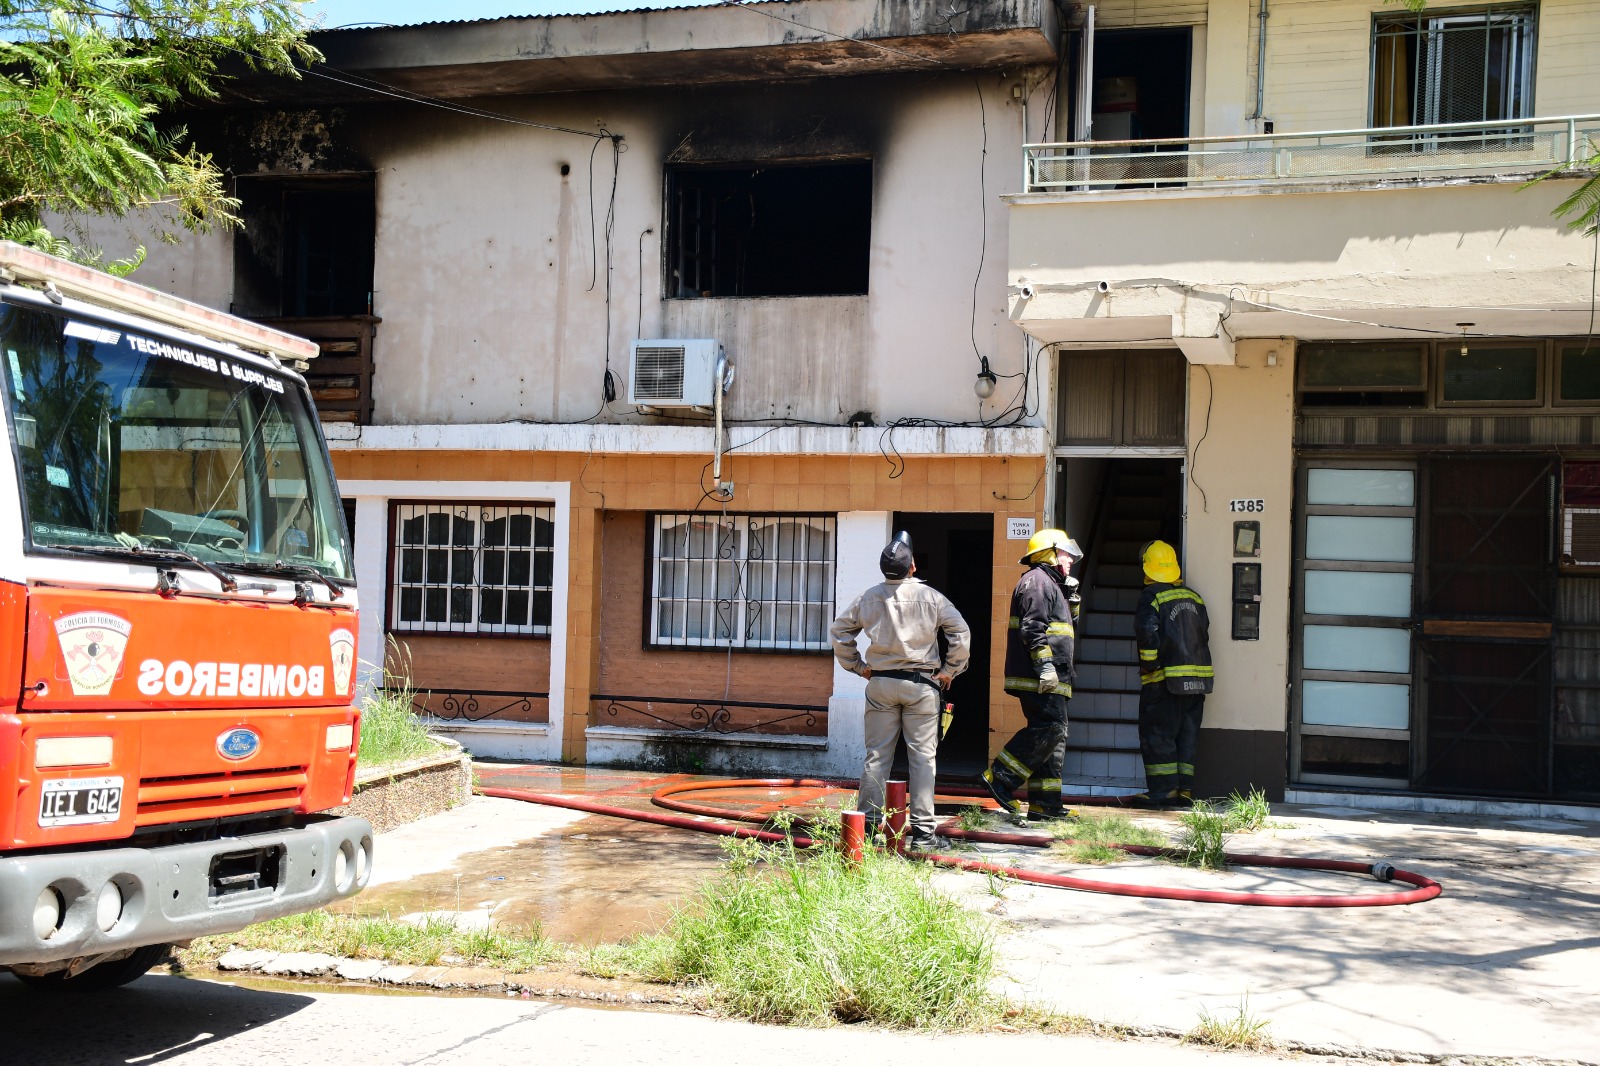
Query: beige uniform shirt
[(902, 620)]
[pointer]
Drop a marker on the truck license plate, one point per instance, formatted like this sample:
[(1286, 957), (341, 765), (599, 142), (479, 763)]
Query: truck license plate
[(80, 801)]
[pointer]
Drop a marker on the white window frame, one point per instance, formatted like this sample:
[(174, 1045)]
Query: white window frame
[(478, 578), (739, 563)]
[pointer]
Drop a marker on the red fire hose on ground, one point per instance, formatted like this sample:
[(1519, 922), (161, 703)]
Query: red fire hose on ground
[(694, 814)]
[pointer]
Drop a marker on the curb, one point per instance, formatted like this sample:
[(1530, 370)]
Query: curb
[(484, 980), (438, 978)]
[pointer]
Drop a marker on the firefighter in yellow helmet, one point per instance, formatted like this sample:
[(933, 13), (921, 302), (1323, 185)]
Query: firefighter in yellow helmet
[(1172, 632), (1039, 673)]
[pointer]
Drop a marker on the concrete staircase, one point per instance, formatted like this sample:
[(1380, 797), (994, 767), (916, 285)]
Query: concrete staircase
[(1103, 718)]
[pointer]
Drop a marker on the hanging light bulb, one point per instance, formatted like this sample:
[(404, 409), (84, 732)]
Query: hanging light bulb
[(986, 382), (1463, 327)]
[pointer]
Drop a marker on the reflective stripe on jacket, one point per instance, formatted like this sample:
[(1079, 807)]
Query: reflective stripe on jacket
[(1173, 633), (1041, 631)]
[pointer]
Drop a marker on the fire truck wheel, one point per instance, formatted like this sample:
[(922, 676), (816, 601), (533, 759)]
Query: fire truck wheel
[(106, 975)]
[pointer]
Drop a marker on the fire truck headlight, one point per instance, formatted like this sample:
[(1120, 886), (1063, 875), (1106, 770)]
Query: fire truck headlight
[(340, 737), (108, 907), (47, 914), (55, 752)]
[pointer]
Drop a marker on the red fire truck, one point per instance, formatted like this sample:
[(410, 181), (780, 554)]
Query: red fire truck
[(177, 629)]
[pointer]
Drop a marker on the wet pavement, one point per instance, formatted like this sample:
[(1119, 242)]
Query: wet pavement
[(1501, 964), (584, 879)]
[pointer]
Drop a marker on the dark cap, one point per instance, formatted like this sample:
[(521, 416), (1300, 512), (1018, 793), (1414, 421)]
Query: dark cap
[(895, 561)]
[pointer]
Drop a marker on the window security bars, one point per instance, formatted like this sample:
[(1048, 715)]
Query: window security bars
[(1457, 67), (472, 568), (741, 581)]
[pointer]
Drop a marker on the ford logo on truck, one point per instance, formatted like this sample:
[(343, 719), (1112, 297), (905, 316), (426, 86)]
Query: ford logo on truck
[(238, 743)]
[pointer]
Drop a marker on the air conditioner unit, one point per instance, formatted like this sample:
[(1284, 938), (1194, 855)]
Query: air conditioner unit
[(673, 373)]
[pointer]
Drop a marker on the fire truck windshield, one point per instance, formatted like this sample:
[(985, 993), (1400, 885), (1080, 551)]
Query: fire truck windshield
[(128, 440)]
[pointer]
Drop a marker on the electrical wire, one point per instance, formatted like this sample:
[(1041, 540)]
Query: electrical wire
[(1194, 460)]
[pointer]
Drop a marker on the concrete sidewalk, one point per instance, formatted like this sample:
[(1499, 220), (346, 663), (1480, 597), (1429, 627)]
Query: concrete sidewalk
[(1504, 963)]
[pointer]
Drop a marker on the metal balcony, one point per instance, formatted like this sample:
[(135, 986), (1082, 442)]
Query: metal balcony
[(1355, 157)]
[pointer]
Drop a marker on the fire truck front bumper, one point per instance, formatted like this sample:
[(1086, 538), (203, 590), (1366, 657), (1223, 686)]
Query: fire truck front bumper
[(71, 904)]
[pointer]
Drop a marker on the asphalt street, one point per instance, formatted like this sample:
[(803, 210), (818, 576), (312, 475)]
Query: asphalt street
[(186, 1022)]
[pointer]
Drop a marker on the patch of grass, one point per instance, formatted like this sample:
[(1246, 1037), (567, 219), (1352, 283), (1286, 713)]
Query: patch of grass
[(391, 732), (1238, 1031), (381, 937), (1204, 839), (1089, 837), (1206, 827), (972, 818), (805, 938), (1246, 814)]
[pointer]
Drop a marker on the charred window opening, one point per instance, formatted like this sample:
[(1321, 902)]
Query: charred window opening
[(789, 230), (306, 250)]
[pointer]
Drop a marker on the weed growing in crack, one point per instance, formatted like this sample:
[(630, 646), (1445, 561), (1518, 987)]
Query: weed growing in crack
[(1240, 1030)]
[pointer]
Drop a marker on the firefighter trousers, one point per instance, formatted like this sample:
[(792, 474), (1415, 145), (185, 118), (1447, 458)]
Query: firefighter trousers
[(1169, 729), (896, 708), (1035, 754)]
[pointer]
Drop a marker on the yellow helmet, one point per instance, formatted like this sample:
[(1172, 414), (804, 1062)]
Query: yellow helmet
[(1160, 562), (1051, 540)]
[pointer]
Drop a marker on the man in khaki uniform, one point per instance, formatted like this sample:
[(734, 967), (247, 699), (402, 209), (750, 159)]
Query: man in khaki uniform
[(906, 678)]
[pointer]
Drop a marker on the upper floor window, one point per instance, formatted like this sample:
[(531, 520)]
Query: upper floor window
[(1459, 65), (306, 249), (793, 229)]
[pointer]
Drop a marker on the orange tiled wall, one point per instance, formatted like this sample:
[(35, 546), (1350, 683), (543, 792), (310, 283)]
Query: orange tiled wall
[(1003, 486)]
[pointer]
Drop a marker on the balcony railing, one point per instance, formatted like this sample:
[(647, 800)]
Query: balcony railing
[(1370, 156)]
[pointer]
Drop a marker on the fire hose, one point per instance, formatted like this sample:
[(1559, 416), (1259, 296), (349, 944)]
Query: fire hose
[(693, 817)]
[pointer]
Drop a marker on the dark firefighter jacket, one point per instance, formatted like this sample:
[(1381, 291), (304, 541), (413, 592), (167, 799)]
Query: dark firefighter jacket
[(1173, 633), (1041, 631)]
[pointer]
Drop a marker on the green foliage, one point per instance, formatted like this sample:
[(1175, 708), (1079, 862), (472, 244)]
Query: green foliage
[(426, 943), (391, 732), (1091, 837), (809, 939), (1206, 828), (1240, 1030), (83, 85)]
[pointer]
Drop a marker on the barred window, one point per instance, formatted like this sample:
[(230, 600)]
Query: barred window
[(1459, 66), (472, 568), (742, 581)]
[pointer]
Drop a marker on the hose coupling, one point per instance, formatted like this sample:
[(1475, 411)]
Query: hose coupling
[(1383, 870)]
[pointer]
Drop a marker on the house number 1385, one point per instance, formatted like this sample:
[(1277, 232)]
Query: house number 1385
[(1251, 506)]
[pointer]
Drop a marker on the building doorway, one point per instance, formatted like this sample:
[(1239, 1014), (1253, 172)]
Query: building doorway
[(1112, 506), (955, 554)]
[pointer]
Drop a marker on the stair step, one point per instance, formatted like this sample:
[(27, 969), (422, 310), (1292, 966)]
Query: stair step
[(1103, 767), (1133, 528), (1119, 575), (1108, 736), (1106, 624), (1114, 599), (1112, 651), (1108, 678), (1101, 704), (1140, 507)]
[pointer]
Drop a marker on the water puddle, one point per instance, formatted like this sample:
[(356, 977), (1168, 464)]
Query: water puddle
[(595, 880)]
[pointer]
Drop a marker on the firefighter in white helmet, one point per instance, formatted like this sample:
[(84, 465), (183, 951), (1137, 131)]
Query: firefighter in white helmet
[(1039, 672)]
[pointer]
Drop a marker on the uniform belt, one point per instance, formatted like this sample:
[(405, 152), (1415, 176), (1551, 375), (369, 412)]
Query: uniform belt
[(908, 675)]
